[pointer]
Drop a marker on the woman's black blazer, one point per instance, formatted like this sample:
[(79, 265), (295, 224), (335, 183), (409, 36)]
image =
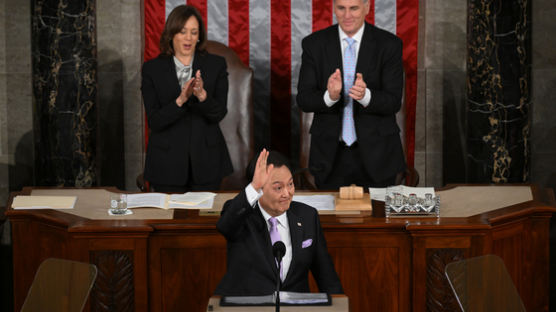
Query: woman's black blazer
[(180, 135)]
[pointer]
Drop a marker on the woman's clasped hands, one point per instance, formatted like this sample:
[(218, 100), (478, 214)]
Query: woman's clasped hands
[(193, 86)]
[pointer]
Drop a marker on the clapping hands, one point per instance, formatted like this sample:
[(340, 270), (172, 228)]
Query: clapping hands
[(334, 86), (193, 86), (198, 88), (357, 91), (186, 91)]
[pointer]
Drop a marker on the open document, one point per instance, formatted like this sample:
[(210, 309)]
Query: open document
[(319, 202), (189, 200)]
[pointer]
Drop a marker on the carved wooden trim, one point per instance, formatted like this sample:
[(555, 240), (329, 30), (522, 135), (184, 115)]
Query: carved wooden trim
[(439, 294), (113, 289)]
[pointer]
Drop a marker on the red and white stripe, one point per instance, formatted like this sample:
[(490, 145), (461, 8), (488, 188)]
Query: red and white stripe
[(267, 35)]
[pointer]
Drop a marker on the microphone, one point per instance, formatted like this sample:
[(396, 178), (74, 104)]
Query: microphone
[(278, 250)]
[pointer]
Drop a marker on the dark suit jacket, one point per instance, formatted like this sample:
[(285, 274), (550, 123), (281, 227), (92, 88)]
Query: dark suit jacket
[(380, 62), (188, 133), (251, 268)]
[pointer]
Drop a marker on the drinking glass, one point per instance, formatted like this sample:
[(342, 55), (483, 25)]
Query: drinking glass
[(118, 203)]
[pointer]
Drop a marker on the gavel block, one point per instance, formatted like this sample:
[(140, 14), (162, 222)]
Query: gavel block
[(351, 192), (351, 198)]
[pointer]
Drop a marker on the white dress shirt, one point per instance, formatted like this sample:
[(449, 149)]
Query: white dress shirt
[(283, 226), (357, 37), (179, 66)]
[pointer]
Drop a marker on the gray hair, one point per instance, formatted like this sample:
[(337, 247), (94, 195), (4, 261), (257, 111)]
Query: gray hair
[(364, 1)]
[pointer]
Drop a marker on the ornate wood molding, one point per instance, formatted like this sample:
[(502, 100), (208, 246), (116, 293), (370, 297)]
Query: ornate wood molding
[(113, 289), (439, 294)]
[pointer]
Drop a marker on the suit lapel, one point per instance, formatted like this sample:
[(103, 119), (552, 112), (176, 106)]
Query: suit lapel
[(367, 51), (334, 51), (296, 232), (198, 62), (173, 77)]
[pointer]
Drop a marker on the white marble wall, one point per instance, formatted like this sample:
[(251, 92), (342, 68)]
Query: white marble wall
[(3, 108), (16, 119), (543, 132), (441, 81), (120, 46)]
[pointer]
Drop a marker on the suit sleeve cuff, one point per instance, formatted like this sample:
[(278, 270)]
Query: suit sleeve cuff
[(252, 194), (366, 100), (327, 100)]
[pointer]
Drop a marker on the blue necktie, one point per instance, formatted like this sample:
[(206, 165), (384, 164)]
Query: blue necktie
[(348, 126)]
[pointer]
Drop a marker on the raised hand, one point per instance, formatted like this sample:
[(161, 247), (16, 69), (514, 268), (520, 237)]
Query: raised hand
[(186, 91), (357, 91), (334, 85), (262, 172), (198, 88)]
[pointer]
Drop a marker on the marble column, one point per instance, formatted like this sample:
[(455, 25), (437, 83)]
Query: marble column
[(498, 90), (65, 89)]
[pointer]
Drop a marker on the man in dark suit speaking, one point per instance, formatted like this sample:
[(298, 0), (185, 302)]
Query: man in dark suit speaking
[(351, 78), (259, 215)]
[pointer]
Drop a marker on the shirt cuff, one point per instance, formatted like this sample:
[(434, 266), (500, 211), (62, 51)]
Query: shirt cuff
[(252, 194), (366, 100), (327, 100)]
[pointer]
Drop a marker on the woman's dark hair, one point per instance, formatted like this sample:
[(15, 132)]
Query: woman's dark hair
[(174, 24), (274, 158)]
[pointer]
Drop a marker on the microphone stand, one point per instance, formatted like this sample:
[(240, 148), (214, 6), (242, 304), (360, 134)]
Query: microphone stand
[(278, 250), (278, 282)]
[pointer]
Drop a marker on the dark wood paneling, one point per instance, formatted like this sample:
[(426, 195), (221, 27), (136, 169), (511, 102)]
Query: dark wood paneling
[(536, 257), (372, 274), (33, 243), (185, 270), (373, 267), (507, 243), (189, 276), (522, 245)]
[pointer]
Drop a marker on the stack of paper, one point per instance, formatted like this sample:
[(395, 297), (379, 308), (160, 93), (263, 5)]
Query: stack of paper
[(192, 200), (319, 202), (43, 202)]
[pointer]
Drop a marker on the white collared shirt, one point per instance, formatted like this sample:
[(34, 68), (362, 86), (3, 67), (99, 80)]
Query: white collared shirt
[(179, 66), (283, 226), (357, 37)]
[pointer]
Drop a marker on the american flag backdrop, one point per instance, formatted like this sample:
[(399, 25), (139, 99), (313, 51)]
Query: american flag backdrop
[(267, 34)]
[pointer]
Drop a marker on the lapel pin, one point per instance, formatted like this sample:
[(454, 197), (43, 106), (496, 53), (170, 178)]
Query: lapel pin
[(298, 223)]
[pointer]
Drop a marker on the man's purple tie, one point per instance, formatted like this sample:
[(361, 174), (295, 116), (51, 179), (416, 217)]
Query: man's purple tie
[(274, 237), (348, 126)]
